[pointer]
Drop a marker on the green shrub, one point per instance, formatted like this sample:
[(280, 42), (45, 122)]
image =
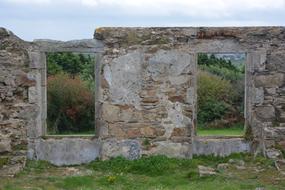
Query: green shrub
[(70, 105), (213, 87), (3, 161), (212, 60), (74, 64), (224, 73), (220, 92), (211, 110)]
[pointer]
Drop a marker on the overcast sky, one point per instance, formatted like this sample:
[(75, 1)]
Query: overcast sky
[(77, 19)]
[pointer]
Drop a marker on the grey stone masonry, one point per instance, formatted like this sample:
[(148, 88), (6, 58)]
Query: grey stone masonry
[(145, 94), (160, 103)]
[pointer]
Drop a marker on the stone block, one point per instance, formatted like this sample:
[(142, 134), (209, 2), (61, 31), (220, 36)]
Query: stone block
[(271, 91), (170, 149), (24, 79), (259, 96), (116, 130), (110, 113), (180, 132), (276, 61), (151, 132), (220, 147), (43, 77), (33, 95), (270, 80), (190, 96), (206, 171), (265, 113), (129, 149), (5, 144), (273, 153), (67, 151), (37, 60)]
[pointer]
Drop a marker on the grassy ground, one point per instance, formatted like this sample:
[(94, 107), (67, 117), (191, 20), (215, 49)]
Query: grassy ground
[(235, 130), (154, 173), (220, 132)]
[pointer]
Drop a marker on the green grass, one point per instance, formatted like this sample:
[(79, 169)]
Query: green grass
[(3, 161), (221, 132), (155, 172), (236, 130)]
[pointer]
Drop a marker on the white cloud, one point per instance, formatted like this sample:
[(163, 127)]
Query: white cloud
[(204, 8), (53, 18), (190, 5), (198, 8)]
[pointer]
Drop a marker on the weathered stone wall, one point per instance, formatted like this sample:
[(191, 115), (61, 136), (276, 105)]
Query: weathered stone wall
[(148, 87), (16, 111), (145, 94)]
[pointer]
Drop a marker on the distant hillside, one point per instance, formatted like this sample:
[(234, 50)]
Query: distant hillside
[(237, 59)]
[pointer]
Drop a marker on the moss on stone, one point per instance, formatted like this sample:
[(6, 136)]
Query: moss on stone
[(279, 147), (3, 161), (163, 40), (132, 38), (248, 133), (20, 147)]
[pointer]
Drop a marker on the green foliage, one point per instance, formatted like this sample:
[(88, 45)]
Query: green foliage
[(3, 161), (71, 87), (220, 91), (214, 94), (151, 166), (282, 150), (204, 59), (213, 87), (211, 110), (36, 166), (176, 174), (70, 105), (248, 133), (146, 142), (76, 182), (87, 73), (111, 179), (53, 68), (224, 73), (69, 62), (73, 64)]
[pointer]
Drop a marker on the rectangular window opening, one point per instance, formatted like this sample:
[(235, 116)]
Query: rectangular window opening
[(221, 94), (70, 93)]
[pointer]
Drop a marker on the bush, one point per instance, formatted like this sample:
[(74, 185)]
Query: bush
[(70, 105), (211, 110), (216, 98), (224, 73), (212, 60), (220, 91), (74, 64), (212, 87)]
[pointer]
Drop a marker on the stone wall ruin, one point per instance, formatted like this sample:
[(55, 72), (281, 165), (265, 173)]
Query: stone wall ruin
[(145, 94)]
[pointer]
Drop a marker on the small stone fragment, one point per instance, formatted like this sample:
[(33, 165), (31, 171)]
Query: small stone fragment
[(206, 171), (273, 153), (237, 162), (222, 166)]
